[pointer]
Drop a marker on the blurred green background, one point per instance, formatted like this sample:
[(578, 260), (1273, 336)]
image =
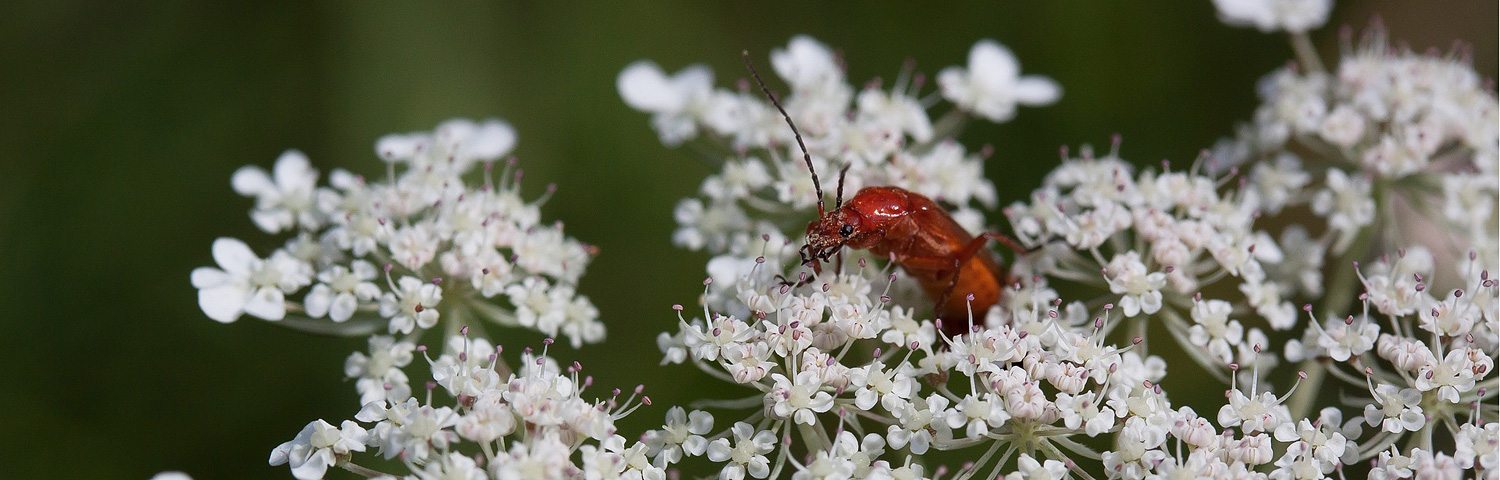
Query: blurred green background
[(121, 124)]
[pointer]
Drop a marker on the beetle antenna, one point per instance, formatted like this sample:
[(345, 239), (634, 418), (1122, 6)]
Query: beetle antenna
[(839, 199), (805, 156)]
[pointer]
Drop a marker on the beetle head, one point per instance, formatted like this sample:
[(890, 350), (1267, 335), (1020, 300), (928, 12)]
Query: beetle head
[(829, 233)]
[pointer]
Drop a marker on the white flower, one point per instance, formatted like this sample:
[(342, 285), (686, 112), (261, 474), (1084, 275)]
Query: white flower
[(1302, 261), (244, 283), (1450, 377), (1251, 449), (682, 433), (801, 400), (412, 304), (1347, 204), (464, 369), (1343, 127), (1477, 446), (1278, 182), (453, 466), (917, 422), (707, 227), (283, 202), (891, 387), (677, 102), (419, 433), (341, 290), (1397, 410), (1343, 341), (747, 453), (895, 111), (319, 446), (489, 419), (1396, 288), (1135, 450), (1263, 413), (413, 246), (546, 457), (992, 84), (467, 141), (806, 64), (1085, 411), (1214, 330), (1029, 469), (378, 375), (1127, 275), (1294, 16)]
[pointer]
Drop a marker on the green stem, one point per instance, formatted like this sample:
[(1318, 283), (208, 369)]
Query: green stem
[(1307, 55), (1339, 295), (358, 326), (361, 470)]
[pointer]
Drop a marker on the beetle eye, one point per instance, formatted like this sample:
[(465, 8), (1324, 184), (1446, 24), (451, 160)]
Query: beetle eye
[(847, 230)]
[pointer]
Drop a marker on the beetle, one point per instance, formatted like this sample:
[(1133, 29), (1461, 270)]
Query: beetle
[(951, 265)]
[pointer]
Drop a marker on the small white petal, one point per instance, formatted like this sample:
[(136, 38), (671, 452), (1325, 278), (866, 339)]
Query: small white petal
[(993, 64), (207, 277), (293, 168), (493, 139), (223, 303), (318, 301), (343, 307), (251, 181), (645, 87), (234, 256), (267, 303), (394, 147), (1037, 90), (315, 466)]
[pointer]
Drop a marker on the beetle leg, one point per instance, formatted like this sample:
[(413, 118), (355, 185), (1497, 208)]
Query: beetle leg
[(1009, 242), (956, 262)]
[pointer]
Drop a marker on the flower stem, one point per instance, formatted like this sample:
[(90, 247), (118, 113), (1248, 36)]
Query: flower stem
[(1339, 295), (1307, 55), (362, 470)]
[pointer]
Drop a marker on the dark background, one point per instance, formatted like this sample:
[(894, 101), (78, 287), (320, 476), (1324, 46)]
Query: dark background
[(121, 124)]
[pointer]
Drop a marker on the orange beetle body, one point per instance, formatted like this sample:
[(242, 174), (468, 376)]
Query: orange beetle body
[(924, 240)]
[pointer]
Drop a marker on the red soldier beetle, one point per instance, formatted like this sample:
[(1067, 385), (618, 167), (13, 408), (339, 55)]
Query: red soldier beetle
[(955, 270)]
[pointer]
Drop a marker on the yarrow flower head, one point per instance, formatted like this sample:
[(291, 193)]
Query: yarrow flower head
[(453, 235), (487, 421), (1418, 130), (1395, 153), (445, 241)]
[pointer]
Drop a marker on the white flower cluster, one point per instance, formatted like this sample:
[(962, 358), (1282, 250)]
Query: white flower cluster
[(1392, 149), (494, 423), (883, 136), (1425, 359), (1395, 155), (453, 254), (865, 387), (848, 380), (1160, 239), (449, 247)]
